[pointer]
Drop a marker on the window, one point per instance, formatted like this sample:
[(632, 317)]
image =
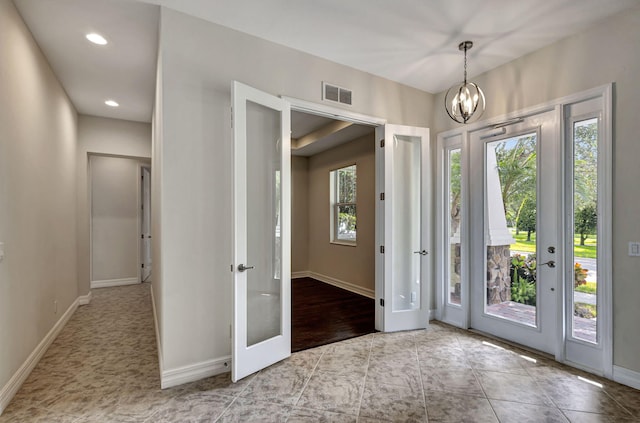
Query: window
[(343, 205)]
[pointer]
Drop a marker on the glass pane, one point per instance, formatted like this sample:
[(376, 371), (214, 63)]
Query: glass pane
[(406, 226), (263, 224), (346, 222), (454, 220), (510, 229), (585, 245), (347, 184)]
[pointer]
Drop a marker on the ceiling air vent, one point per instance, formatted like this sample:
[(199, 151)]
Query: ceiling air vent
[(336, 94)]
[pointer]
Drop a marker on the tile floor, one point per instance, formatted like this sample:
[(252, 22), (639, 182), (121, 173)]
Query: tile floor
[(103, 368)]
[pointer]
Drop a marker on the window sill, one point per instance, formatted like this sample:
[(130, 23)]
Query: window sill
[(344, 243)]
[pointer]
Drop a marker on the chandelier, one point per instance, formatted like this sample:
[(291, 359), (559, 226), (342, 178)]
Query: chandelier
[(466, 101)]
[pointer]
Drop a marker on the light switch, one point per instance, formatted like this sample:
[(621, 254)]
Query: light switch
[(634, 249)]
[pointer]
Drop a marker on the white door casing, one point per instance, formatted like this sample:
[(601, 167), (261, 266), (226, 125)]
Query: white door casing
[(261, 324)]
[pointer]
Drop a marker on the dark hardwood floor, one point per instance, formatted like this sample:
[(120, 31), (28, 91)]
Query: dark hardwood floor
[(322, 314)]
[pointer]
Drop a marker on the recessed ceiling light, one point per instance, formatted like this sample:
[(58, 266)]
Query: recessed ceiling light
[(96, 39), (111, 103)]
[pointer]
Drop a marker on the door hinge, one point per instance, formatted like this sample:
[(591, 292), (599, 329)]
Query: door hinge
[(382, 249), (382, 143), (142, 236), (231, 268), (143, 265), (381, 302), (382, 196)]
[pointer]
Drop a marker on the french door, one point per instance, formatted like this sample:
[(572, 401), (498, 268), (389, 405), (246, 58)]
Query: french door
[(402, 215), (515, 229), (262, 222)]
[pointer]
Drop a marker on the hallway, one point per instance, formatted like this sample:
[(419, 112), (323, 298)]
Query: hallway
[(103, 368)]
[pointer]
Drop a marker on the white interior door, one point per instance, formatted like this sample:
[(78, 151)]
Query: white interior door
[(146, 224), (515, 183), (404, 261), (262, 240)]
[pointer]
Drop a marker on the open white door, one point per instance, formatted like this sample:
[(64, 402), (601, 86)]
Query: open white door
[(146, 224), (262, 240), (403, 178)]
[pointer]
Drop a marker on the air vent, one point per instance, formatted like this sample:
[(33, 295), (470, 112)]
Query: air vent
[(336, 94)]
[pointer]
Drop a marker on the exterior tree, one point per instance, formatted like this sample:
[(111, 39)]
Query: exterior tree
[(527, 217), (517, 170), (586, 221)]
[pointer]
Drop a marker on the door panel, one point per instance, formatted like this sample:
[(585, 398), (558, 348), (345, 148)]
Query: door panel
[(146, 223), (516, 227), (405, 214), (262, 290)]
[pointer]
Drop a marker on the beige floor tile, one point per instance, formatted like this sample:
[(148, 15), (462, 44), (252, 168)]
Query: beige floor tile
[(303, 415), (448, 407), (457, 381), (512, 387), (394, 403), (517, 412), (246, 410), (333, 392)]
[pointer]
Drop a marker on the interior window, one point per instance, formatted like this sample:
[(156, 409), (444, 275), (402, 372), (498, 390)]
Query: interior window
[(343, 204)]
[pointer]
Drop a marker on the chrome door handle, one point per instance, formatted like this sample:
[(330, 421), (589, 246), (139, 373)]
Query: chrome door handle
[(242, 267), (550, 263), (422, 253)]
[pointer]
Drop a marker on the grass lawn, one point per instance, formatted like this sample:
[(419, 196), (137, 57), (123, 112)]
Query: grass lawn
[(586, 251), (589, 288)]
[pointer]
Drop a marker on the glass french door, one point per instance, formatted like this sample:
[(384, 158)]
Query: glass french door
[(262, 242), (403, 228), (516, 220)]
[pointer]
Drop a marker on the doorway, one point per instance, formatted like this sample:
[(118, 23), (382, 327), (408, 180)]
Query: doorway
[(261, 267), (524, 206), (333, 230)]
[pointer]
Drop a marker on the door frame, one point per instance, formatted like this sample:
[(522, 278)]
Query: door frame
[(375, 122), (462, 320)]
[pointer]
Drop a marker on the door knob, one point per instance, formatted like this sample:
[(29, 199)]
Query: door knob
[(242, 267), (550, 263), (422, 253)]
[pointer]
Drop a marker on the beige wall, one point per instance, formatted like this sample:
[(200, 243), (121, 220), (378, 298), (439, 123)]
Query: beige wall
[(103, 136), (37, 195), (115, 237), (606, 52), (199, 60), (355, 265), (299, 214)]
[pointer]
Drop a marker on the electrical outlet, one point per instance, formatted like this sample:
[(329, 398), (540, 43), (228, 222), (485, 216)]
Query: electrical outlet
[(55, 306), (1, 251), (634, 249), (414, 296)]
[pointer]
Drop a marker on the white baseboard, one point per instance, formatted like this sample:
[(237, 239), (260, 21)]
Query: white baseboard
[(114, 282), (626, 377), (11, 388), (85, 299), (298, 275), (369, 293), (196, 371), (157, 328)]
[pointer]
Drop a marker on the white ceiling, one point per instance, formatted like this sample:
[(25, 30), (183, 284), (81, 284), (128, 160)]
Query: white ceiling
[(414, 42)]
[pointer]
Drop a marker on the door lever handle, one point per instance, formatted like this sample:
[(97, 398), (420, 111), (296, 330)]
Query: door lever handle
[(242, 267), (422, 253), (550, 263)]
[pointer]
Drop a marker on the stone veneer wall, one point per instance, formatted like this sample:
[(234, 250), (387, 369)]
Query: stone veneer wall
[(498, 274)]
